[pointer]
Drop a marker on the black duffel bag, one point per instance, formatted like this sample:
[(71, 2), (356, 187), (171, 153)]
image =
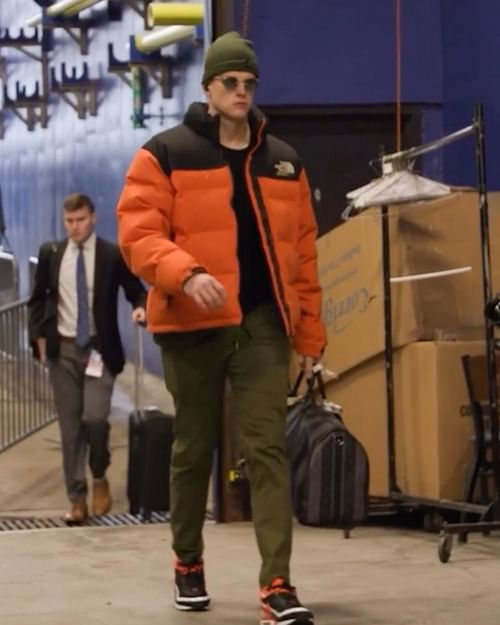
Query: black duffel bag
[(328, 465)]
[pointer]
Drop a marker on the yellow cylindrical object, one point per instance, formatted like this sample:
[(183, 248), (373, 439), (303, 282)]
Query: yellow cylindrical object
[(174, 13), (60, 7), (150, 41), (84, 4)]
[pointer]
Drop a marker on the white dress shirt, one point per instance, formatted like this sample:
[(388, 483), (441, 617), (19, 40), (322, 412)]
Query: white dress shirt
[(68, 302)]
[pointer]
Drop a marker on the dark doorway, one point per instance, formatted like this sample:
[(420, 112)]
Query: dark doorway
[(336, 146)]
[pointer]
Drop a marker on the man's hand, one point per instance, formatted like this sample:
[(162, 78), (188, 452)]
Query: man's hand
[(207, 292), (139, 315), (42, 349)]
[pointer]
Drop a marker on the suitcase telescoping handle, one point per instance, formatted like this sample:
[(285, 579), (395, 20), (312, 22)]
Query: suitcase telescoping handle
[(138, 366)]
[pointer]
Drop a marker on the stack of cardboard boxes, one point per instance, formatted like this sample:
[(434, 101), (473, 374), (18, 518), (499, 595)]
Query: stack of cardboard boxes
[(435, 322)]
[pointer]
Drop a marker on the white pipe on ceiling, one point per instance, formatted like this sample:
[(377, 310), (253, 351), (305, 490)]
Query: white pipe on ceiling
[(83, 4), (150, 41), (62, 7)]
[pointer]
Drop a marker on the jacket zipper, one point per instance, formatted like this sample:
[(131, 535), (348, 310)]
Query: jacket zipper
[(260, 211)]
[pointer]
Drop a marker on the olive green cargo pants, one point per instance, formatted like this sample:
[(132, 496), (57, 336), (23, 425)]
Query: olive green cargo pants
[(255, 358)]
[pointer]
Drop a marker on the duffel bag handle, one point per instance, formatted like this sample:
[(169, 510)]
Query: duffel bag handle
[(315, 381), (295, 388)]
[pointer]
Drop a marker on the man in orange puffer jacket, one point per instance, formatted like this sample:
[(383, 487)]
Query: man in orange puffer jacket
[(216, 216)]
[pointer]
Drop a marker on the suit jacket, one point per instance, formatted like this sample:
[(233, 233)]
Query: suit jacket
[(110, 273)]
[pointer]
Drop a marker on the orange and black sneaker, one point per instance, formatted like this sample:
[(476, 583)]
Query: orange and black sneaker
[(281, 606), (190, 591)]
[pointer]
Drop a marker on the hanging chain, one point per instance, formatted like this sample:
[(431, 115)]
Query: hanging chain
[(246, 18)]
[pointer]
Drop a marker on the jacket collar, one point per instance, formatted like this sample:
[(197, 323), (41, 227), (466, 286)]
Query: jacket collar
[(198, 119)]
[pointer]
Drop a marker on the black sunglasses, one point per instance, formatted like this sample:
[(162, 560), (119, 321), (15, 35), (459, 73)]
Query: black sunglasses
[(231, 83)]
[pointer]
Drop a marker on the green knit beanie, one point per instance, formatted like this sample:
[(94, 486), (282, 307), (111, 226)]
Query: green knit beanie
[(229, 52)]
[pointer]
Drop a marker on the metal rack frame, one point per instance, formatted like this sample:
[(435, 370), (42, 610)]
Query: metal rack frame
[(489, 515)]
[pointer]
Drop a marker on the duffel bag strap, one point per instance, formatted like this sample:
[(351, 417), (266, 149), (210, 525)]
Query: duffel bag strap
[(295, 388), (315, 381)]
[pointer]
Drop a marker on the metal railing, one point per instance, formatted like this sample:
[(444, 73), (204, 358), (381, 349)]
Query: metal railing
[(26, 403)]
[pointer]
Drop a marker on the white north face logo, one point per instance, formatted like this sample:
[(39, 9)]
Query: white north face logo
[(284, 168)]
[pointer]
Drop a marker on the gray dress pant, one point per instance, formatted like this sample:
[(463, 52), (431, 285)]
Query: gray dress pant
[(83, 404)]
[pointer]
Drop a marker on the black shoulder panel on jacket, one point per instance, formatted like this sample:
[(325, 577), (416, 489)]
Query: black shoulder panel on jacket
[(182, 148), (277, 159)]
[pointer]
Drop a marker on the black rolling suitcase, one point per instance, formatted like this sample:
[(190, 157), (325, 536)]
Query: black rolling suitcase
[(150, 438), (328, 466)]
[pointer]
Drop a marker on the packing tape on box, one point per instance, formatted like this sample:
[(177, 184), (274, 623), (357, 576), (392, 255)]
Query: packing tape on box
[(432, 274), (175, 13), (151, 41)]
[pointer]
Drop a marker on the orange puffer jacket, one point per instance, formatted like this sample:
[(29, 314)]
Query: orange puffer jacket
[(175, 217)]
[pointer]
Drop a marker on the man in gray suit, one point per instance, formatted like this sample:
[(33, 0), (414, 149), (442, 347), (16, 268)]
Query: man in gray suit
[(74, 328)]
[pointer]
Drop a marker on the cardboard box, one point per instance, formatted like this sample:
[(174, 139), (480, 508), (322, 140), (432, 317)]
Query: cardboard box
[(432, 417), (424, 237), (441, 235), (350, 273)]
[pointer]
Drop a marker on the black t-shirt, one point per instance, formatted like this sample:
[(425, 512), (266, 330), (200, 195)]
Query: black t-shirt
[(255, 280)]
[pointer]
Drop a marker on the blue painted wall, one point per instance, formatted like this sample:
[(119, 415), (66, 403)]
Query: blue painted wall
[(37, 169), (342, 51), (471, 54)]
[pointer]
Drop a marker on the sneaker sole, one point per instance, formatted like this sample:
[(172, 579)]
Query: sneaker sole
[(298, 621), (194, 604), (200, 606), (268, 618)]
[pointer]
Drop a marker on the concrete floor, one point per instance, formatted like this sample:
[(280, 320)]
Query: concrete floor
[(31, 474), (122, 576)]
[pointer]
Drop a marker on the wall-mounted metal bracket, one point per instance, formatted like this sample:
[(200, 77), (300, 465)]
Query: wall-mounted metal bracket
[(3, 69), (76, 28), (36, 106), (138, 116), (120, 68), (135, 73), (115, 10), (154, 65), (140, 7), (81, 87), (139, 120), (162, 75), (21, 42)]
